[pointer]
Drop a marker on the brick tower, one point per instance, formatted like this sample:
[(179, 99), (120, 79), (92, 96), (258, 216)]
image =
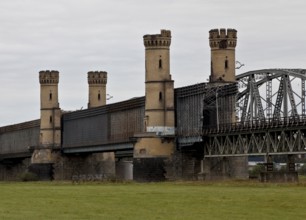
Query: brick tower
[(157, 142), (159, 109), (97, 81), (222, 43), (50, 125), (224, 90), (97, 88)]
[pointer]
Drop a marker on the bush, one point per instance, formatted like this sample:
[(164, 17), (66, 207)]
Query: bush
[(28, 176), (283, 169), (302, 170), (256, 170)]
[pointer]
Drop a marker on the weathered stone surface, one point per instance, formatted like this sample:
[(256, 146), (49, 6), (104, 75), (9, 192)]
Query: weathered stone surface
[(149, 169), (44, 171), (12, 170)]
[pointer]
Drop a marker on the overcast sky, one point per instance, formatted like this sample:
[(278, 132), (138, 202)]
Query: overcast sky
[(77, 36)]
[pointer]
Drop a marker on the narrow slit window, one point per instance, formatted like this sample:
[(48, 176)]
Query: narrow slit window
[(99, 96), (160, 64), (160, 96), (50, 96), (226, 64), (50, 119)]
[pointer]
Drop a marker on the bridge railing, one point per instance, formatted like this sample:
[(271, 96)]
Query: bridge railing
[(256, 125)]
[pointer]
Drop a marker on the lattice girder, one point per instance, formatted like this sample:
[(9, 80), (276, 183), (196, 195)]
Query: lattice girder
[(273, 140), (282, 96)]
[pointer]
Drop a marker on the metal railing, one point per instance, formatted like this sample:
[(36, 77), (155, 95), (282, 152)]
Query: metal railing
[(256, 125)]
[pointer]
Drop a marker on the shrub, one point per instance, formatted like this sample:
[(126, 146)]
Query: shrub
[(302, 170), (256, 170), (28, 176)]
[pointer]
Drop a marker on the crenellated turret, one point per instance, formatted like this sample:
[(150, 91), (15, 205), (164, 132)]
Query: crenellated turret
[(49, 89), (48, 77), (162, 40), (97, 77), (50, 117), (151, 149), (97, 88), (223, 39), (159, 85), (223, 43)]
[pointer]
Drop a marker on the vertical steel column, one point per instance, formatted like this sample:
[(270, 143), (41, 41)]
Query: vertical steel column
[(251, 94), (291, 98), (244, 113), (285, 95), (279, 99), (269, 96), (217, 108), (303, 96), (259, 112)]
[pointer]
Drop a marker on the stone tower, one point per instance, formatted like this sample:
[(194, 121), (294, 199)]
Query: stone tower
[(156, 143), (97, 97), (222, 43), (50, 124), (159, 108), (97, 88)]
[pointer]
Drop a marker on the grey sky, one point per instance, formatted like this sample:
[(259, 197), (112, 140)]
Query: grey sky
[(74, 37)]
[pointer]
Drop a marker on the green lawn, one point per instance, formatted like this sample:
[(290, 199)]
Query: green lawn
[(186, 200)]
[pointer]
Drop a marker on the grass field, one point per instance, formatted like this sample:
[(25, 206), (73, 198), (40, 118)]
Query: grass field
[(182, 200)]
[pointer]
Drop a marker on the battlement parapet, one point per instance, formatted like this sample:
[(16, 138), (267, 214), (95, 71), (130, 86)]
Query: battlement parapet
[(223, 38), (158, 40), (97, 77), (49, 77)]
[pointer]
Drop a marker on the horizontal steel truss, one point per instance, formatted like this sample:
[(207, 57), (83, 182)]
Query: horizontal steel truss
[(256, 142)]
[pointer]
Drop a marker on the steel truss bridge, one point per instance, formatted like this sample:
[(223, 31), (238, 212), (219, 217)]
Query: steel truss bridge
[(271, 119)]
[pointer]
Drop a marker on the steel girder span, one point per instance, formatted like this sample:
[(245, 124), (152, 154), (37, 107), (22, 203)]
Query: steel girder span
[(270, 109), (270, 138), (271, 93)]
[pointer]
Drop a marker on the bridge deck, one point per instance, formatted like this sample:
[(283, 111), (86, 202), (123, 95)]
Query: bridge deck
[(280, 123)]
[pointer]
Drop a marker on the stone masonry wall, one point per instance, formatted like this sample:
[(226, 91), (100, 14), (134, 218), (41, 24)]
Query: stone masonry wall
[(13, 170), (84, 167)]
